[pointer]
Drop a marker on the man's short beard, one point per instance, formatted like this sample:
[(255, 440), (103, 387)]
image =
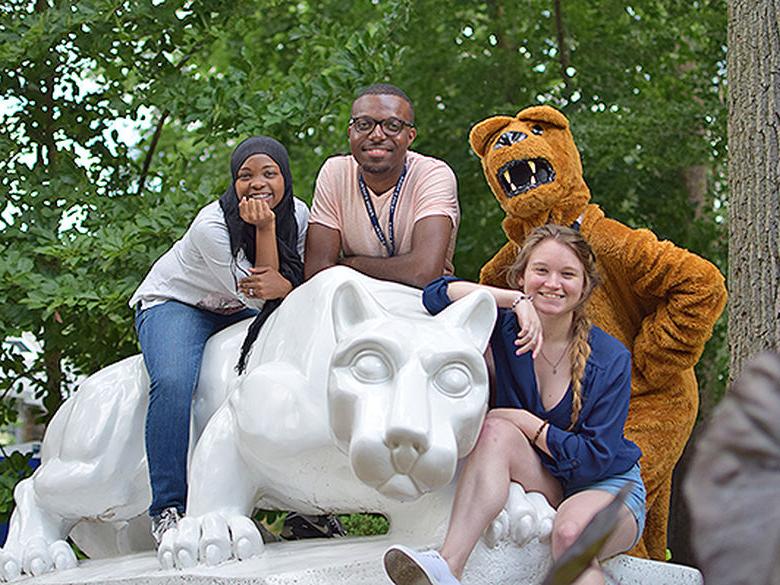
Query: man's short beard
[(375, 169)]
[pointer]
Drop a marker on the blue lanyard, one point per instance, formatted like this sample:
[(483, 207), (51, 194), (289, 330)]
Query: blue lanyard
[(390, 247)]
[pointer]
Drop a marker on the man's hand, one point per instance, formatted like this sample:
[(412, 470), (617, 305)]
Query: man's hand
[(256, 212), (265, 283)]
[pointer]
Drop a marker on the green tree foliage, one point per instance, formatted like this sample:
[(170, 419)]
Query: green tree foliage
[(641, 84), (69, 74), (87, 211), (14, 467), (86, 214)]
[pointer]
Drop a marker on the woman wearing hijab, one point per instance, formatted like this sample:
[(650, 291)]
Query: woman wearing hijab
[(239, 258)]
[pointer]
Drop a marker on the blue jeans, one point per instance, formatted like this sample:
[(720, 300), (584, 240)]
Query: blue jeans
[(173, 336)]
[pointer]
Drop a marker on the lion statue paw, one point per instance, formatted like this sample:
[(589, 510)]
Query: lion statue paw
[(37, 558), (526, 515), (210, 539)]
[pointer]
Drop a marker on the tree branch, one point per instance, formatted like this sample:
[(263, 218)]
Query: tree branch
[(158, 129), (10, 382), (150, 153), (563, 50)]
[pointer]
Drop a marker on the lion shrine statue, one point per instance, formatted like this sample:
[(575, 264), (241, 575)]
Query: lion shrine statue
[(355, 399)]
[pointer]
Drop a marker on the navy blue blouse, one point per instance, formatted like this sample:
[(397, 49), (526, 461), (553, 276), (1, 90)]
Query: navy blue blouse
[(596, 448)]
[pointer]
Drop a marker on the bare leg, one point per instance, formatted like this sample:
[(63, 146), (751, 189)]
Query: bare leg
[(503, 454), (574, 513)]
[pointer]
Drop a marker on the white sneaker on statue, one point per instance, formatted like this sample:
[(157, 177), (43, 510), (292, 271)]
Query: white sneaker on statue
[(164, 521), (405, 566)]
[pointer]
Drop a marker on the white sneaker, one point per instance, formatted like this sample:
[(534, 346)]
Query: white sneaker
[(405, 566), (164, 521)]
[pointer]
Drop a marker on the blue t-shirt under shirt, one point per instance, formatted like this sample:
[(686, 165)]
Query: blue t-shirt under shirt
[(596, 448)]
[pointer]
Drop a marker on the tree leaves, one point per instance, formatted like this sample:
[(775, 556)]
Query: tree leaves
[(643, 94)]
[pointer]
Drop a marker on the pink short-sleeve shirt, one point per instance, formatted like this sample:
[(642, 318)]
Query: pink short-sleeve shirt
[(430, 189)]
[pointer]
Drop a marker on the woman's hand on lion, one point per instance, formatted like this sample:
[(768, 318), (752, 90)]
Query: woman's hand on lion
[(265, 283)]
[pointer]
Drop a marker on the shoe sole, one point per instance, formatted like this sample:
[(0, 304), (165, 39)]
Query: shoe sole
[(301, 527), (403, 570)]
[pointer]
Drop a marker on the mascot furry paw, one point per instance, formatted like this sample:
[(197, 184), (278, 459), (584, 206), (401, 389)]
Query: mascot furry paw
[(661, 301)]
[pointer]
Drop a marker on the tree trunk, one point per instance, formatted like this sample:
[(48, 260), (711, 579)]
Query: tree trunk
[(754, 178), (53, 366), (505, 45), (696, 184), (563, 48)]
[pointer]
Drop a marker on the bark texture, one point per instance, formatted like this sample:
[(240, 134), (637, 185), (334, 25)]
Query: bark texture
[(754, 178)]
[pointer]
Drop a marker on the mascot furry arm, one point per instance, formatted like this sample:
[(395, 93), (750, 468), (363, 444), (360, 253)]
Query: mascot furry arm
[(660, 300)]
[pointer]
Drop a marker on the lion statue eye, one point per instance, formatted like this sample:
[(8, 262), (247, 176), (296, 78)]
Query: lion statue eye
[(537, 129), (453, 380), (370, 367)]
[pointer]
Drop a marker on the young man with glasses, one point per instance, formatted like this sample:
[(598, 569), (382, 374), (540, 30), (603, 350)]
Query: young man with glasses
[(384, 210)]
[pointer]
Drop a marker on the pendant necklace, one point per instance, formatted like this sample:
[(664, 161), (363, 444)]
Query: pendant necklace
[(560, 359)]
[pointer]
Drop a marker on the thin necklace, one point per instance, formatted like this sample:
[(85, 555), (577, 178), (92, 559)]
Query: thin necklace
[(560, 359)]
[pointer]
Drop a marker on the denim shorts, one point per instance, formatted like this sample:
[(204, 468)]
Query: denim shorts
[(636, 499)]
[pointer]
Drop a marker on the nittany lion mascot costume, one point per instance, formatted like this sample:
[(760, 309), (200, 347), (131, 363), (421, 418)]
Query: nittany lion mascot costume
[(661, 301)]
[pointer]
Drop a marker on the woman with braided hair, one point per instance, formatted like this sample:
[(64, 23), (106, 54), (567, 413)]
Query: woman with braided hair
[(559, 401)]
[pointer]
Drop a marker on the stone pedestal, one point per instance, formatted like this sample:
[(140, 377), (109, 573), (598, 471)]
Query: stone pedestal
[(354, 562)]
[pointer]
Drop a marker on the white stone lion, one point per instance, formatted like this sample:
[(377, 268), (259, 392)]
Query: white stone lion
[(355, 399)]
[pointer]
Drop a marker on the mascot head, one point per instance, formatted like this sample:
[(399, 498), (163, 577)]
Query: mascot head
[(532, 166)]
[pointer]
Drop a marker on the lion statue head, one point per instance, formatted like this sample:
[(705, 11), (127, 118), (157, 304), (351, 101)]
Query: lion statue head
[(407, 396)]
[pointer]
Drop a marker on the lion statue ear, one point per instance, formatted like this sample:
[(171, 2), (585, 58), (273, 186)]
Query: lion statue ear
[(352, 306), (475, 313), (482, 134)]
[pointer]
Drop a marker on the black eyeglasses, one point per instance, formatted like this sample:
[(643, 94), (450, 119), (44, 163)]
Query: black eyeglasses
[(390, 126)]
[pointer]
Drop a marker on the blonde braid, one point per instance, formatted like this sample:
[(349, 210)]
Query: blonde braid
[(580, 352)]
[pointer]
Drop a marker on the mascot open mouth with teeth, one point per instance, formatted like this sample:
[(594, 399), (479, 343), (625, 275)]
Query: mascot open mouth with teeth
[(660, 300)]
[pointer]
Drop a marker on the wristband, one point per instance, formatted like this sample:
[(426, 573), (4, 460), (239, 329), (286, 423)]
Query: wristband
[(519, 298), (539, 432)]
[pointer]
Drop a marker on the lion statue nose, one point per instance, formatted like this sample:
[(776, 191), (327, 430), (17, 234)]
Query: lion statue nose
[(406, 446)]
